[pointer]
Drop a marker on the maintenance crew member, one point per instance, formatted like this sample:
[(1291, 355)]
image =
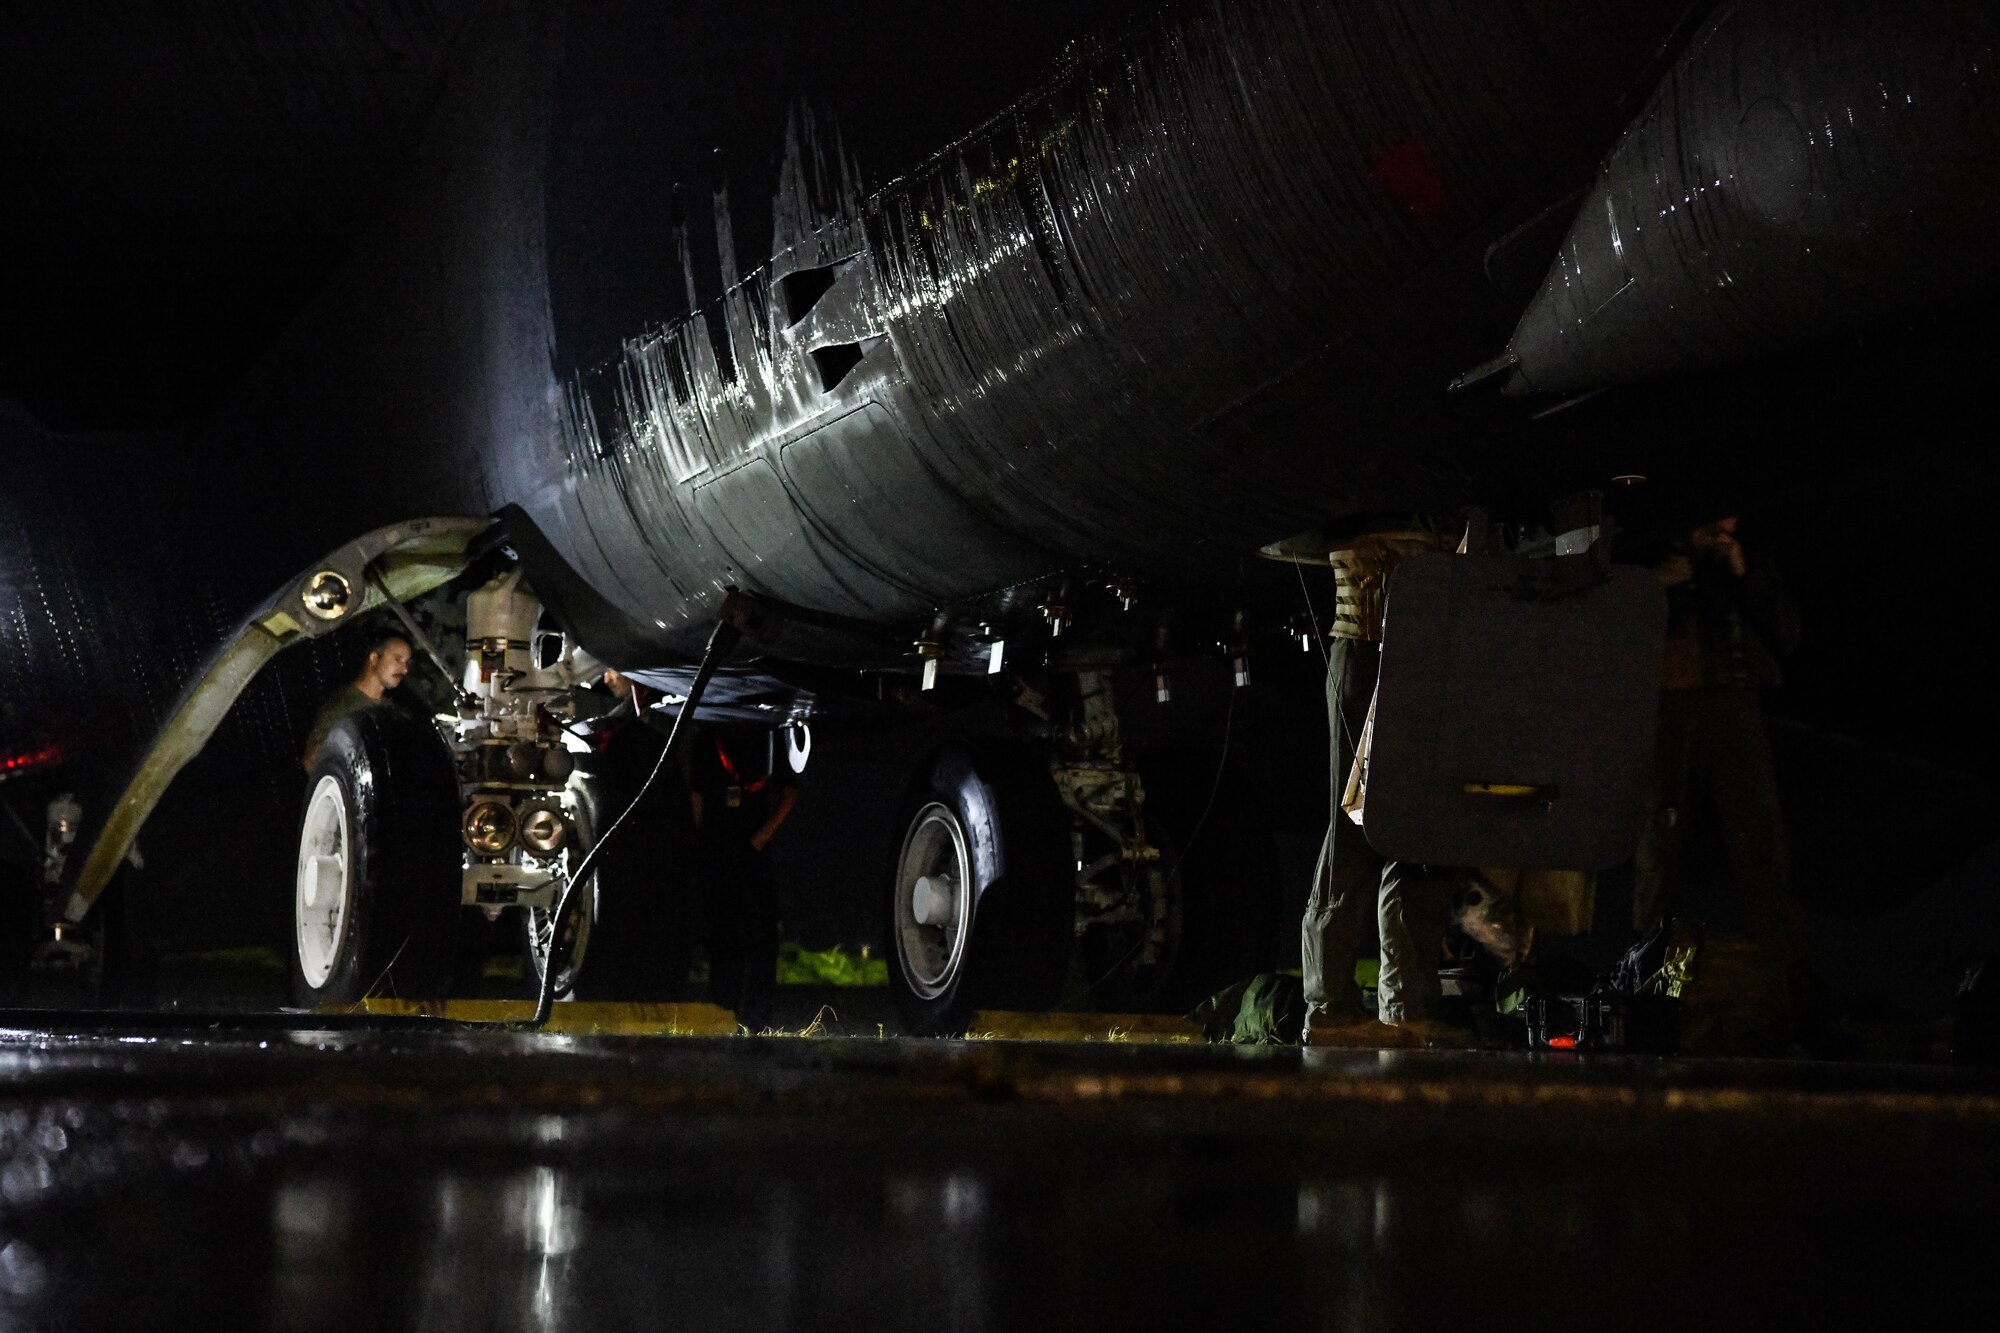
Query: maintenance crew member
[(743, 795), (1729, 619), (1412, 905), (388, 661)]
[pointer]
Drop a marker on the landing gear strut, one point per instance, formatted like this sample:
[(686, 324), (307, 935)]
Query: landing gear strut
[(1128, 893)]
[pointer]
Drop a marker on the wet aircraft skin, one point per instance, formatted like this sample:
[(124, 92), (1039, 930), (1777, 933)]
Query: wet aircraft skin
[(1133, 322), (339, 1173)]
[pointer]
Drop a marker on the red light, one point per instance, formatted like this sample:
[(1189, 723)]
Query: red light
[(1408, 173), (45, 757), (56, 746), (1563, 1043)]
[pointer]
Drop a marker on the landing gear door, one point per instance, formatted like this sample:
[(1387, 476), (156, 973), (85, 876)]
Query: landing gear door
[(1515, 712)]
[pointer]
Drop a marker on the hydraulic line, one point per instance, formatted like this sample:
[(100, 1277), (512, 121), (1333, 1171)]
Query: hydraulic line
[(737, 615)]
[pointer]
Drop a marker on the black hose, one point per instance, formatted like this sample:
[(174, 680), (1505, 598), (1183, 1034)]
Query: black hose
[(728, 633)]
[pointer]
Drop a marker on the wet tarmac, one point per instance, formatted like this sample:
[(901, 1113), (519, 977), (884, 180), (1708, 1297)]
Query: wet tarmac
[(319, 1173)]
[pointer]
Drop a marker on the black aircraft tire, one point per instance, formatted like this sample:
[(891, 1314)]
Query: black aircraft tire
[(993, 815), (380, 831)]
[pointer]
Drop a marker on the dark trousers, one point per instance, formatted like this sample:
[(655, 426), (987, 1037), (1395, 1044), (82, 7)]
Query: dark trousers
[(1715, 789), (742, 903), (1351, 880)]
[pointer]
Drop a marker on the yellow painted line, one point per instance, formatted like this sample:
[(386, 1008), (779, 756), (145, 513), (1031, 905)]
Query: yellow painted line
[(580, 1019), (1142, 1028), (708, 1020)]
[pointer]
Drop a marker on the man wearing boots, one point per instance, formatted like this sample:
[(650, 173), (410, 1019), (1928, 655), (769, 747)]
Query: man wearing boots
[(1411, 903)]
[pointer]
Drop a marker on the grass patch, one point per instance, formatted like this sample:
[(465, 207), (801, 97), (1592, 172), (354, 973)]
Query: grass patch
[(830, 967), (249, 959)]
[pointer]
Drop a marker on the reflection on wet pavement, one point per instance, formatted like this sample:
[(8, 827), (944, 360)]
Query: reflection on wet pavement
[(371, 1175)]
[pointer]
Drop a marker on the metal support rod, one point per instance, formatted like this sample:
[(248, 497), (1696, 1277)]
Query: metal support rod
[(737, 615)]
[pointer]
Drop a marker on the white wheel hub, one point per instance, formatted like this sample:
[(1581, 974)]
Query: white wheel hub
[(933, 913), (932, 899), (324, 888)]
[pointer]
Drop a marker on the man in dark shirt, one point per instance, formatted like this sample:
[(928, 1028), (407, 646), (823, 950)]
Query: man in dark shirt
[(743, 794), (387, 663)]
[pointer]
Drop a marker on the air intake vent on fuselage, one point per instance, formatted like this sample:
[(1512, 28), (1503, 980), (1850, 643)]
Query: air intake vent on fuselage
[(836, 361), (800, 291)]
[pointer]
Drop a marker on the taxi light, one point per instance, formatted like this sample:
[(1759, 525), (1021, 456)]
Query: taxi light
[(543, 831), (488, 827)]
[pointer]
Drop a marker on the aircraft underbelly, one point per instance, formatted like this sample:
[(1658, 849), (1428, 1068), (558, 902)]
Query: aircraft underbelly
[(1193, 294)]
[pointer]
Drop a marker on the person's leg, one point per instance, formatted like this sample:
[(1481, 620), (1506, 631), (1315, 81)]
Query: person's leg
[(757, 941), (1330, 934), (1415, 909), (1743, 790), (1344, 877), (1732, 765), (681, 915), (722, 896), (1656, 863)]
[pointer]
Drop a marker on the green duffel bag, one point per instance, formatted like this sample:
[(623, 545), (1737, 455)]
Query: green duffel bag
[(1267, 1010)]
